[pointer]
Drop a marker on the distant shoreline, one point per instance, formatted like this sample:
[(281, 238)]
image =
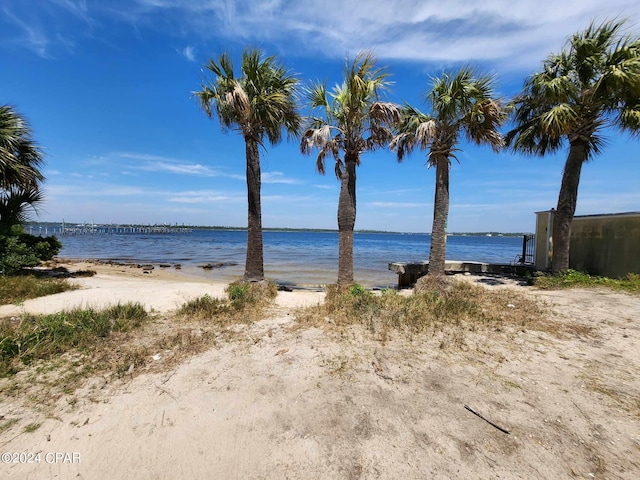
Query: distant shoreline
[(278, 229)]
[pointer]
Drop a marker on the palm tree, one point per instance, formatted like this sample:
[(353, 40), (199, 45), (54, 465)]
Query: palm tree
[(592, 84), (20, 156), (351, 119), (20, 177), (16, 204), (464, 103), (258, 104)]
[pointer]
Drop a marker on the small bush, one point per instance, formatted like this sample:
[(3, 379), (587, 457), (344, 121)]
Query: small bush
[(245, 300), (204, 307), (243, 294), (357, 290), (20, 250), (238, 292)]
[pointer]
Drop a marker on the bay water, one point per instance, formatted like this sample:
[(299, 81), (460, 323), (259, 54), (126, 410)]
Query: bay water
[(302, 258)]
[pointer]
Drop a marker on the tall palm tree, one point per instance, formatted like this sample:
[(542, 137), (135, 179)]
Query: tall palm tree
[(591, 85), (260, 104), (463, 103), (350, 119), (20, 156)]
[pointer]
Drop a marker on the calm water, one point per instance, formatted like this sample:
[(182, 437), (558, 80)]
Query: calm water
[(300, 258)]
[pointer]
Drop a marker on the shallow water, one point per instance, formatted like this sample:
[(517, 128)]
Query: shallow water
[(297, 258)]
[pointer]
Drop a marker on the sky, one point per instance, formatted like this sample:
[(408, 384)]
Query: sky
[(107, 86)]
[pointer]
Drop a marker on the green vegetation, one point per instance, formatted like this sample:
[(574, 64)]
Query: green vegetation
[(32, 427), (35, 337), (19, 250), (204, 307), (20, 195), (572, 279), (19, 288), (245, 300)]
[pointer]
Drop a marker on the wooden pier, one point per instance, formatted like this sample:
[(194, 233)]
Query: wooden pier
[(112, 229)]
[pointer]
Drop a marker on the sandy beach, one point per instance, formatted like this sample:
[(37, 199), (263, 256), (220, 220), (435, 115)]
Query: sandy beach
[(280, 401)]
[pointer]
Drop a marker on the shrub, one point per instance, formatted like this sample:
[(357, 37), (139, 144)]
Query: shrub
[(242, 293), (204, 307), (20, 250)]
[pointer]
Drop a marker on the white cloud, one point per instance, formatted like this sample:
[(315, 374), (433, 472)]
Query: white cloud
[(278, 177), (399, 204), (513, 34), (205, 196), (189, 53), (156, 163)]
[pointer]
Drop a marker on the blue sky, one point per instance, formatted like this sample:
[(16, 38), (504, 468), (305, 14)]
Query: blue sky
[(106, 86)]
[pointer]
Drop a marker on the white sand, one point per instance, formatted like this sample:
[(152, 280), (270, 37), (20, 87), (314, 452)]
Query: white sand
[(282, 403)]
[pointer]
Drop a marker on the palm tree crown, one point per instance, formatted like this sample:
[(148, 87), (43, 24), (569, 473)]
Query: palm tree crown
[(463, 103), (20, 176), (592, 84), (20, 156), (345, 122), (351, 118), (260, 103)]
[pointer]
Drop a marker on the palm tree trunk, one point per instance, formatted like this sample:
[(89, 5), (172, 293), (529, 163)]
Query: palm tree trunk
[(254, 266), (567, 200), (346, 220), (438, 252)]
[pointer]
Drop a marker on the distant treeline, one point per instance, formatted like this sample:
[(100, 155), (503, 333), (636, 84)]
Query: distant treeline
[(270, 229)]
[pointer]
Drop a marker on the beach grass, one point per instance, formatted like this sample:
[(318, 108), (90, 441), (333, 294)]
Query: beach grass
[(245, 301), (29, 338), (17, 289), (435, 306), (573, 279)]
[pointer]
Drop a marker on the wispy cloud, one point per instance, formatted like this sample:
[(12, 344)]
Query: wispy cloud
[(205, 197), (96, 190), (188, 52), (278, 177), (506, 34), (399, 204), (513, 34), (156, 163), (34, 36)]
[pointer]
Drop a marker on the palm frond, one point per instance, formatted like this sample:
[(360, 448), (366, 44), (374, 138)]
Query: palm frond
[(592, 83), (261, 103), (20, 156), (350, 118)]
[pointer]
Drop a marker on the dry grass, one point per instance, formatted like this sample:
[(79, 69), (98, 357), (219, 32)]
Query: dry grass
[(119, 342), (436, 305)]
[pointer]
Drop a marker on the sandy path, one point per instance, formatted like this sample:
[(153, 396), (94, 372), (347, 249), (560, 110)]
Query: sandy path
[(277, 403)]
